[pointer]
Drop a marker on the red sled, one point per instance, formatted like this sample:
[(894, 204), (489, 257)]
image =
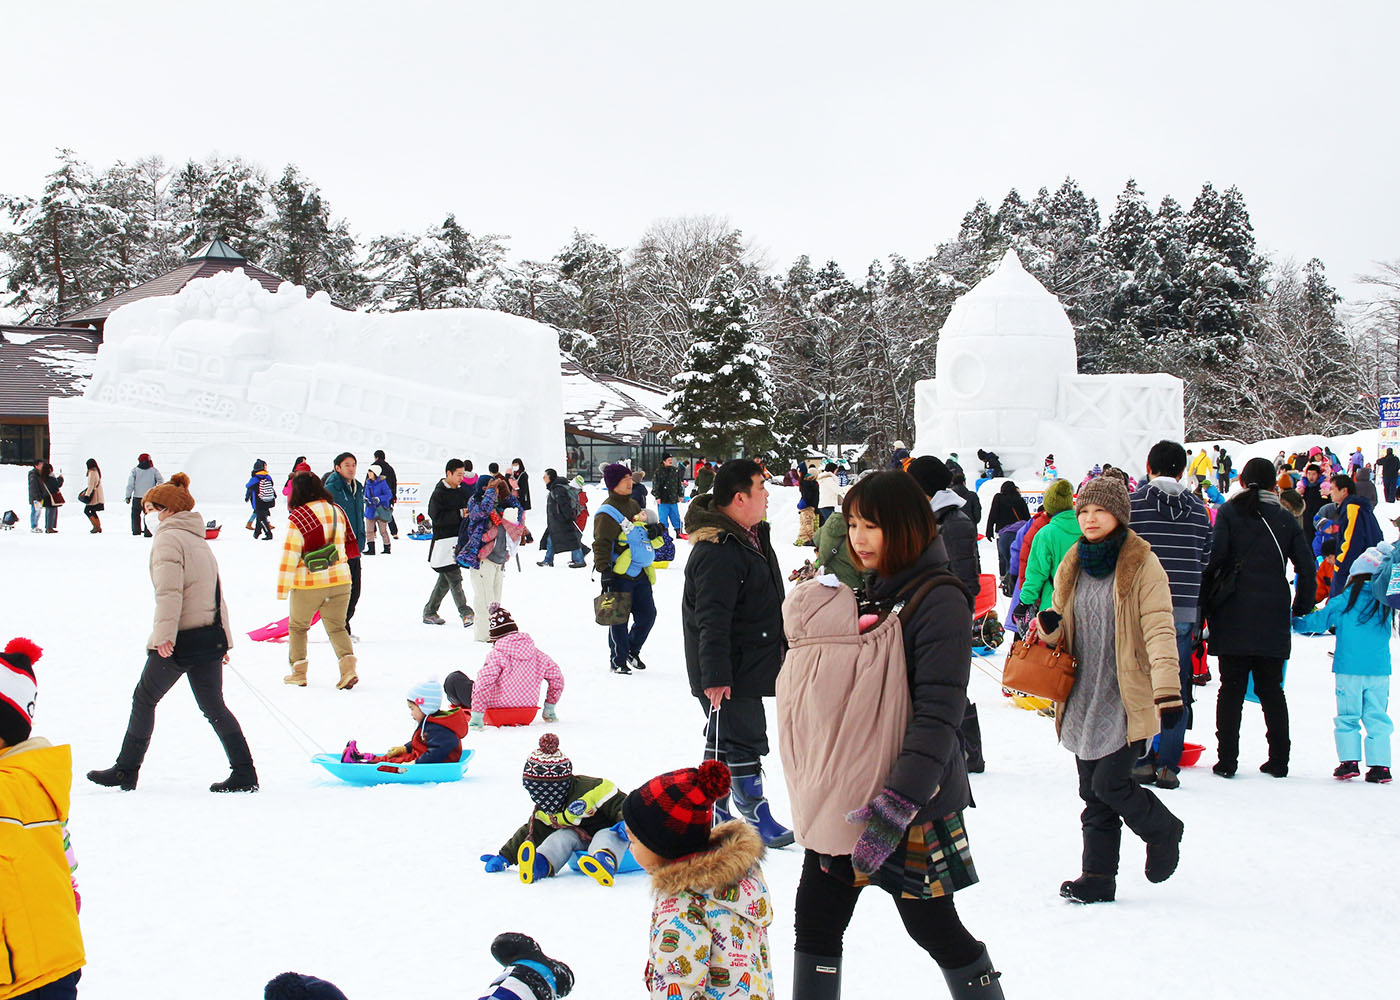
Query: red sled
[(521, 716), (277, 631), (1200, 668)]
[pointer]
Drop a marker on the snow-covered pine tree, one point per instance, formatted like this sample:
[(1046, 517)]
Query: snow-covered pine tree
[(722, 401), (53, 269), (233, 206), (1129, 252), (306, 247)]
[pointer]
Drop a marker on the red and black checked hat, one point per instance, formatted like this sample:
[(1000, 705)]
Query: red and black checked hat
[(673, 812), (18, 690)]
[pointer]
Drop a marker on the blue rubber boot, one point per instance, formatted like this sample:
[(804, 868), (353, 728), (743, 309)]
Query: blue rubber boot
[(601, 867), (533, 865), (753, 807)]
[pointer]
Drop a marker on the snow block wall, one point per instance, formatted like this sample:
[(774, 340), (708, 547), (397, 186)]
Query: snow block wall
[(1007, 381), (226, 372)]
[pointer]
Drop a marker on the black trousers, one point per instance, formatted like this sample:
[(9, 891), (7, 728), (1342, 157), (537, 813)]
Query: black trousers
[(260, 525), (1112, 798), (1229, 705), (825, 905), (136, 526), (743, 734), (206, 683), (354, 565)]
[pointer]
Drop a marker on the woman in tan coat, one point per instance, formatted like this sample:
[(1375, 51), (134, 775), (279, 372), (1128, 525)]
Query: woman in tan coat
[(95, 502), (189, 600), (1113, 609)]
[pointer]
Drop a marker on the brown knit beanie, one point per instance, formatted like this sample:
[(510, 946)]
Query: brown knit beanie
[(174, 495), (1109, 493)]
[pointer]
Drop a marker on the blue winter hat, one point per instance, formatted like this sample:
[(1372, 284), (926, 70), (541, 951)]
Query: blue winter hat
[(427, 696)]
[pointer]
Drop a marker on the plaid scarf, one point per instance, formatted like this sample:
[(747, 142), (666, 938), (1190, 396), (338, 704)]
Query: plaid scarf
[(1099, 559)]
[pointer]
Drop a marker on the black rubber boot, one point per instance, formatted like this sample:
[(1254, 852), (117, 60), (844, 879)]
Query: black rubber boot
[(816, 977), (978, 981), (1089, 888), (242, 779), (513, 948)]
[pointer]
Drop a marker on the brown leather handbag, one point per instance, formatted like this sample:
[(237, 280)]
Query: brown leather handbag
[(1038, 669)]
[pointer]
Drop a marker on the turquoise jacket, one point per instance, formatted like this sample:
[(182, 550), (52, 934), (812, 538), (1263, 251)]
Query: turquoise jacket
[(1048, 547), (1362, 647)]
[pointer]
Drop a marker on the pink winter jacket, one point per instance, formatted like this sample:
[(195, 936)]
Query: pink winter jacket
[(511, 675)]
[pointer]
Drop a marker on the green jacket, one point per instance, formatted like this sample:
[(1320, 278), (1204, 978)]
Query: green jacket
[(832, 553), (1060, 534), (594, 804), (351, 498)]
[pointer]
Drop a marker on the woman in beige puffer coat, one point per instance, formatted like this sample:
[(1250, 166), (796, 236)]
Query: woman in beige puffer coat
[(188, 598), (1112, 608)]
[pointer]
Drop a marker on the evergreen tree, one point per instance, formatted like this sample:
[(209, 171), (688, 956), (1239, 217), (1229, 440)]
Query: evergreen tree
[(233, 207), (722, 401), (53, 263), (306, 247)]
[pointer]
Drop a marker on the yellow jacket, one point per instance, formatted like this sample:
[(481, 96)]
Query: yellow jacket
[(38, 916), (1201, 465)]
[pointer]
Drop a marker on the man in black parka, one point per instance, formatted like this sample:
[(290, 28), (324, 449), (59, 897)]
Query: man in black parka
[(732, 618)]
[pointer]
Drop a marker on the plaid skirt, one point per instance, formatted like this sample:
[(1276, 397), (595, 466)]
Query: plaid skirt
[(933, 860)]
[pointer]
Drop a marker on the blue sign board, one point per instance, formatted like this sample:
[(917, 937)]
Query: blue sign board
[(1390, 411)]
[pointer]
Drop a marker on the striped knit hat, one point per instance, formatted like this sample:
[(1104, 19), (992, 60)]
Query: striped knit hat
[(548, 774), (18, 690), (672, 813)]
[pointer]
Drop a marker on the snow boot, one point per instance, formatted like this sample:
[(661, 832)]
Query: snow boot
[(1089, 888), (243, 778), (1223, 769), (297, 678), (971, 731), (352, 754), (723, 811), (1145, 772), (386, 548), (1279, 769), (815, 977), (1347, 770), (1167, 778), (126, 770), (753, 807), (369, 549), (512, 948), (1378, 775), (979, 979), (114, 777), (533, 865), (347, 674), (1163, 857), (601, 867)]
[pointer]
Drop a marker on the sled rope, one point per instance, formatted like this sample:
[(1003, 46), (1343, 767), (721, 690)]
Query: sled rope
[(281, 718)]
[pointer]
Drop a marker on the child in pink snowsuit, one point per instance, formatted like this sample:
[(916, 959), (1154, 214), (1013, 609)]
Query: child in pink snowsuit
[(511, 675)]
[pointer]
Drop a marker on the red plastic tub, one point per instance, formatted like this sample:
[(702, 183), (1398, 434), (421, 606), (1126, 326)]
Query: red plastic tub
[(1191, 754), (211, 533), (511, 716)]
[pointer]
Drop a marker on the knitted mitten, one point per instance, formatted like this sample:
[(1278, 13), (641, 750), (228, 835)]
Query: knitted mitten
[(549, 715), (886, 817)]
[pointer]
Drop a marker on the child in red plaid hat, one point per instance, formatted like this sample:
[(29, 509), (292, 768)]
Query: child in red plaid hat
[(709, 925)]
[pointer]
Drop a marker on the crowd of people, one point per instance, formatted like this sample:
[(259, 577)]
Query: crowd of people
[(1136, 580)]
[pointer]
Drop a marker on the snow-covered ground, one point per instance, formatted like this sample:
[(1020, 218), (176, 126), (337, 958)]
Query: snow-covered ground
[(1286, 888)]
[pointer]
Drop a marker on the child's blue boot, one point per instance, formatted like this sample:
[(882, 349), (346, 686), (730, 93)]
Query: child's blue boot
[(532, 865), (600, 866)]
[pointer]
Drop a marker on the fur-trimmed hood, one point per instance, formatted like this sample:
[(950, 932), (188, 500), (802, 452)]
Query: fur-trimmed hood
[(727, 872)]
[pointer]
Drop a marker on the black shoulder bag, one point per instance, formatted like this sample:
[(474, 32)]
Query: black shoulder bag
[(207, 642)]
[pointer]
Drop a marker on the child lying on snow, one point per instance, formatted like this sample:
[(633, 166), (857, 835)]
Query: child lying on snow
[(511, 675), (573, 812), (437, 740), (528, 974)]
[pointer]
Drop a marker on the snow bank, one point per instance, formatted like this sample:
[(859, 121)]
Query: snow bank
[(226, 372)]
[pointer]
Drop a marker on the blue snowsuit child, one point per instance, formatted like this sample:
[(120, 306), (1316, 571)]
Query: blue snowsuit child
[(1362, 663)]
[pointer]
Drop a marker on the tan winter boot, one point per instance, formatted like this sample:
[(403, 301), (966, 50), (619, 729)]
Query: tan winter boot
[(347, 674), (298, 675)]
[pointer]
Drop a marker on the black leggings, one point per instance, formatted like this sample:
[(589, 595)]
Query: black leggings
[(206, 682), (825, 906)]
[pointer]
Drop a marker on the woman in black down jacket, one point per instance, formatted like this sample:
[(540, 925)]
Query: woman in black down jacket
[(1008, 507), (914, 846), (1251, 629)]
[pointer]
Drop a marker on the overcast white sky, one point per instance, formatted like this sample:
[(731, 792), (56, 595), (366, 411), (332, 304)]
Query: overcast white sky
[(842, 130)]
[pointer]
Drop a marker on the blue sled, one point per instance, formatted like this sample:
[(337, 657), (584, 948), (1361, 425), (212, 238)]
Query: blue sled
[(421, 538), (388, 774), (627, 864), (1249, 694)]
